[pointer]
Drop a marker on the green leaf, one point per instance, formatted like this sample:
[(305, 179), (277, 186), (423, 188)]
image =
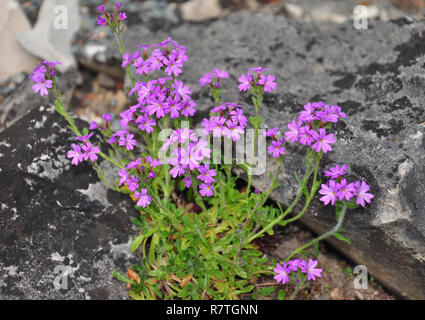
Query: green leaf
[(85, 131), (316, 248), (136, 243), (352, 205), (121, 277), (342, 238), (282, 294)]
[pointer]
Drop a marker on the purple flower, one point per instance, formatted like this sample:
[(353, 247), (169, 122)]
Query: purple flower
[(345, 190), (323, 141), (238, 116), (308, 114), (328, 114), (153, 163), (85, 138), (361, 191), (336, 172), (329, 192), (294, 133), (258, 69), (306, 135), (90, 152), (132, 183), (182, 90), (206, 175), (276, 149), (188, 108), (145, 123), (173, 66), (187, 182), (233, 131), (128, 141), (220, 74), (75, 154), (178, 168), (293, 265), (267, 82), (101, 21), (206, 190), (271, 132), (93, 125), (107, 117), (310, 269), (134, 164), (245, 82), (144, 198), (41, 84), (205, 79), (124, 176), (282, 271)]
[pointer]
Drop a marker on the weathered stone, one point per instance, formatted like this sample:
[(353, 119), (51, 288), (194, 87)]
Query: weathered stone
[(56, 218), (201, 10), (50, 39), (15, 59), (23, 98), (376, 76)]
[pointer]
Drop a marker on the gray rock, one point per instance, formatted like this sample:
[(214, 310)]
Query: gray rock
[(57, 219), (376, 76), (22, 99), (50, 39)]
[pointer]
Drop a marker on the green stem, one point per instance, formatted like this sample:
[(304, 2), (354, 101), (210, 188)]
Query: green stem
[(323, 236), (256, 127), (293, 204), (310, 196), (122, 50), (196, 194), (271, 188)]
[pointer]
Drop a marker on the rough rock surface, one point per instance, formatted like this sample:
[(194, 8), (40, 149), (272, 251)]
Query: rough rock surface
[(375, 75), (56, 219), (23, 98)]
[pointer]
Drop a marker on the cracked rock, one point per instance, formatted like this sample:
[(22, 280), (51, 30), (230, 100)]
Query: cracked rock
[(62, 233)]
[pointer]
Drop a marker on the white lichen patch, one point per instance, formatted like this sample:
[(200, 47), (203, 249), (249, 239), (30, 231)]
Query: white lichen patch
[(118, 250), (11, 271), (40, 124), (96, 191), (4, 143), (92, 50), (47, 167), (57, 257), (392, 208)]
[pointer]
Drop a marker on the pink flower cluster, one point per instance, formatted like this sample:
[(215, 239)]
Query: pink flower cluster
[(85, 152), (339, 189), (255, 79), (276, 149), (292, 266), (42, 76), (163, 57), (213, 79), (137, 172), (309, 129), (226, 120), (188, 153), (111, 18)]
